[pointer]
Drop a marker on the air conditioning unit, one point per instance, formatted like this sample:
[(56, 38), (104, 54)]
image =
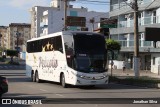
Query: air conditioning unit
[(149, 12), (129, 16)]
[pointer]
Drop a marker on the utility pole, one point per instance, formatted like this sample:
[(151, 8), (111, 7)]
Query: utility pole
[(65, 15), (136, 40), (17, 34), (1, 41)]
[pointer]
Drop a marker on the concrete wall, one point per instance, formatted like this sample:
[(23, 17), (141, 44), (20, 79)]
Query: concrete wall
[(55, 23), (154, 67)]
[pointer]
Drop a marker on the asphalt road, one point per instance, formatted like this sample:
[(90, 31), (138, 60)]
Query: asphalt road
[(21, 87)]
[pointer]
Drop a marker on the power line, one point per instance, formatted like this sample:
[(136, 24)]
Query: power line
[(144, 9), (84, 1), (150, 4), (131, 5), (92, 2)]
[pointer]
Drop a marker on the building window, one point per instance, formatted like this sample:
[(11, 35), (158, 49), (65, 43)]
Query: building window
[(154, 60)]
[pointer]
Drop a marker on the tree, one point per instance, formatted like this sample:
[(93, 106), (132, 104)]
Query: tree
[(113, 45), (12, 53)]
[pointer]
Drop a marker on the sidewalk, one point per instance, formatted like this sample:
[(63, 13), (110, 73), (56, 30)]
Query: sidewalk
[(130, 73)]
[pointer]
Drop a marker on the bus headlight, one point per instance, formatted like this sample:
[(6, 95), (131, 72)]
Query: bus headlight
[(100, 77), (89, 77)]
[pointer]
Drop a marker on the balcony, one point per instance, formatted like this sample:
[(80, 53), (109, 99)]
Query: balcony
[(121, 5), (142, 43), (42, 34), (126, 23), (142, 21), (123, 8), (144, 46), (43, 25), (125, 27)]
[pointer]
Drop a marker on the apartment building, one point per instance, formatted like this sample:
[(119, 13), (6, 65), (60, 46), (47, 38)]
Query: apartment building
[(3, 37), (46, 20), (149, 16), (18, 34)]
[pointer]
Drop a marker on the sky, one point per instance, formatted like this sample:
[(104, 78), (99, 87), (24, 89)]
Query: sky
[(17, 11)]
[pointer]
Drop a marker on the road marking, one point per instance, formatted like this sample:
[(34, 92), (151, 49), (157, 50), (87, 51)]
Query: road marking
[(60, 95), (43, 90)]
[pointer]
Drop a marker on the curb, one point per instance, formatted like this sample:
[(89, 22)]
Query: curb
[(135, 82), (156, 85)]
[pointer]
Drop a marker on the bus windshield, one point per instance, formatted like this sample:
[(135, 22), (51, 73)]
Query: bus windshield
[(89, 53), (90, 63), (84, 43)]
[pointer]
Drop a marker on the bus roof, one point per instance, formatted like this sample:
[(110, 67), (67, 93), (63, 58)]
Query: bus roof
[(62, 33)]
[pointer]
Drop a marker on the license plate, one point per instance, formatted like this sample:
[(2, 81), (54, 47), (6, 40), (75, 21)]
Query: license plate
[(93, 81)]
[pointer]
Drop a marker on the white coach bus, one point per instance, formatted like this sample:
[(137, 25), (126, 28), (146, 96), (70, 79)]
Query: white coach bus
[(76, 58)]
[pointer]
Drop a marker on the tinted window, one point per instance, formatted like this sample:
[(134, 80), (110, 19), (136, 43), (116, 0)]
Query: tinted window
[(34, 46), (58, 43), (84, 43), (47, 44)]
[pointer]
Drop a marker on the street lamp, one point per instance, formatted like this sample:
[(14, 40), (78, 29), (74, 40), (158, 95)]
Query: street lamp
[(1, 36), (17, 36)]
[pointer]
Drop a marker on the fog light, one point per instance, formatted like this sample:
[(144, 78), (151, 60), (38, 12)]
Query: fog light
[(106, 81), (78, 81)]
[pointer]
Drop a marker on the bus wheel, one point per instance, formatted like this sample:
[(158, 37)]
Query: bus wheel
[(37, 77), (33, 77), (63, 83)]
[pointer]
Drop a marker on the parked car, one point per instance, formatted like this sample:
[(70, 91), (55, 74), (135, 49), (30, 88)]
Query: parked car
[(3, 85)]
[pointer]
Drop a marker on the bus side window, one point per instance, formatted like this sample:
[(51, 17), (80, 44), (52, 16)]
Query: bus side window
[(58, 44), (39, 46), (28, 47)]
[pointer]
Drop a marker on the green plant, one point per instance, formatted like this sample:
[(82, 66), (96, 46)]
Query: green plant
[(2, 59), (132, 80), (113, 45), (12, 53), (12, 63)]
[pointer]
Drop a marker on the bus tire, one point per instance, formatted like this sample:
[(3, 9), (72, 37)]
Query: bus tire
[(33, 77), (37, 77), (63, 83)]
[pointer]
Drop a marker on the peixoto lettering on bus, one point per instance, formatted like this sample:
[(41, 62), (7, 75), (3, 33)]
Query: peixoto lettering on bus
[(48, 63)]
